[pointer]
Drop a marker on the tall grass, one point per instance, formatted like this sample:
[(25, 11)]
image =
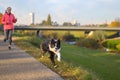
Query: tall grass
[(60, 34)]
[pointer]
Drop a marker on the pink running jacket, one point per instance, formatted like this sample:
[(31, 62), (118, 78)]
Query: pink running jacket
[(8, 20)]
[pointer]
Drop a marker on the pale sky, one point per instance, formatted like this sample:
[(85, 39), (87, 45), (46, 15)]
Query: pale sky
[(83, 11)]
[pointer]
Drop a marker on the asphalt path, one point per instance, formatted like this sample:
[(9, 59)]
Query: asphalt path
[(15, 64)]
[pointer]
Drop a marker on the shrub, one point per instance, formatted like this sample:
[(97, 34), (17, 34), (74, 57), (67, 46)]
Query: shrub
[(111, 44), (98, 35), (68, 37), (50, 34), (88, 42)]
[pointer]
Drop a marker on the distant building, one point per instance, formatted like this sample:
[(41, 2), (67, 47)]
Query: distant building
[(32, 18), (75, 23)]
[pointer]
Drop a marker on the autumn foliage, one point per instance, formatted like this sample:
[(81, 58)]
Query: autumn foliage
[(115, 24), (0, 18)]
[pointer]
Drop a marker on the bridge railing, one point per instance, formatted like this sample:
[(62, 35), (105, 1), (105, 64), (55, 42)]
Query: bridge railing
[(68, 28)]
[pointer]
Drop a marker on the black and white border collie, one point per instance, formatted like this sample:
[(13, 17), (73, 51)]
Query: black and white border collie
[(53, 47)]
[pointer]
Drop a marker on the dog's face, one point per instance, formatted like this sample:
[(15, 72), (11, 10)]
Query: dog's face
[(55, 43), (55, 47)]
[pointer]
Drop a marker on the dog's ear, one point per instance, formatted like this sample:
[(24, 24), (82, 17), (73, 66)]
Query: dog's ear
[(52, 41), (58, 43)]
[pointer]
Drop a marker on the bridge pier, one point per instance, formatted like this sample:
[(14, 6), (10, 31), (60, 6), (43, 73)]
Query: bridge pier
[(86, 33), (39, 33)]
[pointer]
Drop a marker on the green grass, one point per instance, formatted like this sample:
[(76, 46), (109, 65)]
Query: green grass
[(104, 65), (77, 63)]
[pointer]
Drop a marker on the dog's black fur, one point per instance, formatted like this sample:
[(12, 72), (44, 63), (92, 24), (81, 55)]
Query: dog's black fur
[(53, 47)]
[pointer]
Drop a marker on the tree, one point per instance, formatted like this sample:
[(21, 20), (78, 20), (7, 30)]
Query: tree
[(43, 23), (48, 22), (54, 23), (0, 18), (115, 24), (67, 24)]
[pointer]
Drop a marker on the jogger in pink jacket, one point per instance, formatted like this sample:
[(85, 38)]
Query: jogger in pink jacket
[(8, 20)]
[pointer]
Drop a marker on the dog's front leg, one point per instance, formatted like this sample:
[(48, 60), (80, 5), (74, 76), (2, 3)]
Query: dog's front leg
[(58, 56), (52, 58)]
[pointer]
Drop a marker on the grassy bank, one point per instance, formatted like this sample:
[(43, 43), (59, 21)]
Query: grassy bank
[(106, 66), (77, 63), (65, 69)]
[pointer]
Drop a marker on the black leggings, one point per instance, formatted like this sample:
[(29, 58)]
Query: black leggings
[(8, 35)]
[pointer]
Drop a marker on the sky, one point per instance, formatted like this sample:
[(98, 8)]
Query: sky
[(82, 11)]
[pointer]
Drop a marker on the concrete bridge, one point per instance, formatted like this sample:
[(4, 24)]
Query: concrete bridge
[(66, 28), (74, 28)]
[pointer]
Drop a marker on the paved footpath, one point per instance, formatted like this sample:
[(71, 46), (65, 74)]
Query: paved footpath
[(16, 64)]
